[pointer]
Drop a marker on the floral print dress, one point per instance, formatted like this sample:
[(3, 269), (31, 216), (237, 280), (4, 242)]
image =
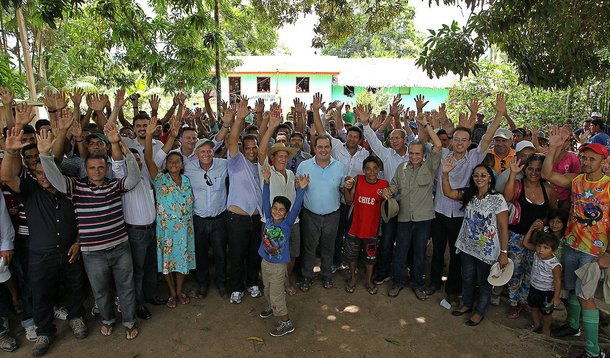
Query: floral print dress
[(175, 234)]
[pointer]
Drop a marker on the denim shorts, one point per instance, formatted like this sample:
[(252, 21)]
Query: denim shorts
[(573, 260)]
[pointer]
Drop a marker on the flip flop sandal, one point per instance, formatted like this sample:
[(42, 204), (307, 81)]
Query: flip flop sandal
[(290, 291), (107, 328), (184, 299), (349, 288), (372, 290), (129, 332), (514, 312), (171, 302)]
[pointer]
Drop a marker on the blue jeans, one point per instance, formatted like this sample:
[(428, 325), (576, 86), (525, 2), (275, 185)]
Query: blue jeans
[(475, 273), (102, 268), (573, 260), (386, 254), (416, 233), (211, 232), (144, 256)]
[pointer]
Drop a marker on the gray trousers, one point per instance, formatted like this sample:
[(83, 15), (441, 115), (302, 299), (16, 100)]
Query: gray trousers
[(318, 230)]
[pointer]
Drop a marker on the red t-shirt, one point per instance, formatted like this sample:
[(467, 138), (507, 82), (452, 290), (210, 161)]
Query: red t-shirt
[(367, 208)]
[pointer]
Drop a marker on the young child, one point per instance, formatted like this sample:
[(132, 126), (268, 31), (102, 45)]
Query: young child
[(274, 251), (558, 219), (364, 193), (545, 277)]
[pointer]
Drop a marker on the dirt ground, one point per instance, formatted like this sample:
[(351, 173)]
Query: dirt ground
[(329, 323)]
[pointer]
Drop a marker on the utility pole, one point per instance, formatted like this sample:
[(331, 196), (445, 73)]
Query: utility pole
[(217, 44)]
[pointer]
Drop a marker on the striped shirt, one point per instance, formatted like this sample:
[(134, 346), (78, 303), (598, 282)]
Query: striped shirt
[(99, 212)]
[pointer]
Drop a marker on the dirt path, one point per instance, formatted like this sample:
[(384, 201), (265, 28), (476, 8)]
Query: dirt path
[(329, 323)]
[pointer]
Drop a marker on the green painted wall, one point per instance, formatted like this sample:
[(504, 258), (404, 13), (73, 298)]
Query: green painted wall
[(436, 96)]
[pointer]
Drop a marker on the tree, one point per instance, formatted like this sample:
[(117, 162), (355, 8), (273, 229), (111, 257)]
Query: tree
[(399, 39), (528, 106), (553, 44)]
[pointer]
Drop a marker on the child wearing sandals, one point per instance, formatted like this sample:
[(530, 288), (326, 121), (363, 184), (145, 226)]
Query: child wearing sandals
[(545, 277), (275, 250), (365, 193)]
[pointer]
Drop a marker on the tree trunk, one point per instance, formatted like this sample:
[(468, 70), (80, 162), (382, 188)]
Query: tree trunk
[(217, 64), (29, 71), (4, 43), (41, 70)]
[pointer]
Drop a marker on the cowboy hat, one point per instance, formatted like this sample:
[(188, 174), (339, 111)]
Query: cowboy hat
[(500, 276), (280, 147), (389, 209)]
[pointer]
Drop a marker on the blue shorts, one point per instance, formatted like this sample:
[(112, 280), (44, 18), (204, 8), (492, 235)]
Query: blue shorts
[(573, 260)]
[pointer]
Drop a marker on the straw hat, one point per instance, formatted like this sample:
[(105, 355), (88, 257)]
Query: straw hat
[(280, 147), (500, 276), (389, 209)]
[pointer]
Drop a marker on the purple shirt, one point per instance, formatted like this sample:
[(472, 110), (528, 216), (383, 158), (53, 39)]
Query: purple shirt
[(244, 184)]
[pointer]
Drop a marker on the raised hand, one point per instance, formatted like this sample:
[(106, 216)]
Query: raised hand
[(64, 119), (229, 114), (154, 102), (303, 181), (7, 97), (442, 111), (174, 127), (465, 121), (317, 102), (557, 137), (97, 102), (54, 100), (119, 98), (45, 141), (207, 94), (515, 165), (242, 109), (500, 104), (180, 98), (363, 112), (13, 139), (77, 131), (274, 118), (259, 105), (24, 115), (420, 103), (422, 119), (266, 173), (151, 128), (77, 97), (376, 122), (112, 133), (538, 225), (474, 105), (448, 164)]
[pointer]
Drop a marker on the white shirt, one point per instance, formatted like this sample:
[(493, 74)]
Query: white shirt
[(134, 144), (390, 158), (210, 200), (139, 202), (352, 163)]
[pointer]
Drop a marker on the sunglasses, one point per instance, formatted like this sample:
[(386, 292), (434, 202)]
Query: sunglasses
[(208, 180)]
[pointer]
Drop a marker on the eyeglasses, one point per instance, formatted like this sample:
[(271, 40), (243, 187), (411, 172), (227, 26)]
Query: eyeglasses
[(477, 176), (208, 180)]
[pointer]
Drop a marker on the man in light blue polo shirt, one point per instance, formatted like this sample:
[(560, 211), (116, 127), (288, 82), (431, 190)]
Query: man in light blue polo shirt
[(208, 176), (320, 219)]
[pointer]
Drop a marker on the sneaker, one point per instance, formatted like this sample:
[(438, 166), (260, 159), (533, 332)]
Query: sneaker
[(382, 280), (430, 290), (117, 304), (267, 312), (254, 291), (236, 297), (79, 328), (60, 313), (284, 328), (41, 346), (495, 300), (30, 333), (394, 291), (420, 293), (565, 331), (7, 343), (586, 354)]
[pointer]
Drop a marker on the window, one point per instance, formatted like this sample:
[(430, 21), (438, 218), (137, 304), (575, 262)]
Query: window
[(302, 85), (234, 86), (263, 84), (404, 91), (348, 91)]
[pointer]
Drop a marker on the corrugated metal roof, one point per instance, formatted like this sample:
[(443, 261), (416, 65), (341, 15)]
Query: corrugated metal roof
[(360, 72)]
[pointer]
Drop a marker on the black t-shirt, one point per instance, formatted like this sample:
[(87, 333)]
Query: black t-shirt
[(50, 217)]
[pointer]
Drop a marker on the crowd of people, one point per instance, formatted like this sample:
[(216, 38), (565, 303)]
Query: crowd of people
[(102, 203)]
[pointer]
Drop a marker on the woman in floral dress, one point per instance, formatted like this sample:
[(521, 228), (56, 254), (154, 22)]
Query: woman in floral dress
[(175, 235)]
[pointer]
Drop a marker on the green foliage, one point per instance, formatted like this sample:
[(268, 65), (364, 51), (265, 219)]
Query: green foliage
[(553, 44), (379, 100), (10, 79), (399, 39), (527, 106)]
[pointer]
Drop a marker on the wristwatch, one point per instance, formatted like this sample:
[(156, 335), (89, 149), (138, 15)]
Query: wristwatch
[(504, 251)]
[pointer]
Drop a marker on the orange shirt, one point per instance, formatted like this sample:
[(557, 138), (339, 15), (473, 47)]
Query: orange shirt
[(501, 164), (589, 225)]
